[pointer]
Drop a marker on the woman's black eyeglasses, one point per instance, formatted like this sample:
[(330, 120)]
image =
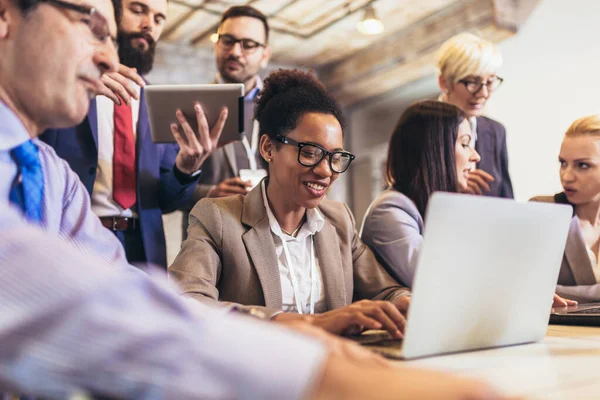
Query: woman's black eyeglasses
[(310, 154)]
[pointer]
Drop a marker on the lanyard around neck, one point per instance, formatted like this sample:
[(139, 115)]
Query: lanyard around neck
[(313, 278), (251, 149)]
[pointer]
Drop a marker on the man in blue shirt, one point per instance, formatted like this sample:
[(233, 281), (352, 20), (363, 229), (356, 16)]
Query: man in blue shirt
[(74, 316)]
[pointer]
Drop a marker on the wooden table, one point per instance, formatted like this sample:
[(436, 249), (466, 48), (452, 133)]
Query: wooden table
[(565, 365)]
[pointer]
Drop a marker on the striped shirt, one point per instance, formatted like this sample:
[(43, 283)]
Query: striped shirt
[(71, 319)]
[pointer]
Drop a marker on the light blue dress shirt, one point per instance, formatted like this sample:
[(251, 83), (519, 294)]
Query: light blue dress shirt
[(72, 320), (66, 207)]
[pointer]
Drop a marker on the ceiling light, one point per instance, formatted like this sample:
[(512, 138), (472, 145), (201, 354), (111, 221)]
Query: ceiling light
[(370, 24), (214, 37)]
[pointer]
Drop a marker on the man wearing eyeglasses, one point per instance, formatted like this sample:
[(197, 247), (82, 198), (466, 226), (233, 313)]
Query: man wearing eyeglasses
[(131, 180), (241, 53)]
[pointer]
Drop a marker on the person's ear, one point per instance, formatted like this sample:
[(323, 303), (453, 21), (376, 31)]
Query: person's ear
[(5, 18), (443, 84), (266, 57), (267, 148)]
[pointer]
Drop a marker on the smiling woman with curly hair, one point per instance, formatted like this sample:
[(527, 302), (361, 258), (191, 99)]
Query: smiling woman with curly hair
[(283, 251)]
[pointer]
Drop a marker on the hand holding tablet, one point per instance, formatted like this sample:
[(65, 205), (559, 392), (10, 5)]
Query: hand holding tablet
[(165, 101), (194, 147)]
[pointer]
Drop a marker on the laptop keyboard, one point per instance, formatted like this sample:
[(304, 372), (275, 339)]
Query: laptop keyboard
[(595, 310), (372, 337), (380, 342)]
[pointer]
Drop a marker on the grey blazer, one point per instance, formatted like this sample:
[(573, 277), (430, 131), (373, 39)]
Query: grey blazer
[(491, 146), (576, 280), (393, 229), (229, 256)]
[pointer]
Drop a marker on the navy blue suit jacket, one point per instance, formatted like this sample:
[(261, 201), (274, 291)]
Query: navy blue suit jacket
[(491, 146), (158, 190)]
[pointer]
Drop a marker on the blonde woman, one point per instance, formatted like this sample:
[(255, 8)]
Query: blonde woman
[(580, 178), (467, 69)]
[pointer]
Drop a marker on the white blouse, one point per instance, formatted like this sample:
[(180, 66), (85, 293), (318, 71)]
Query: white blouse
[(299, 249)]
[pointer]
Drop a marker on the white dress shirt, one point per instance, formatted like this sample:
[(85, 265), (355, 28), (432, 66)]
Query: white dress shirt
[(473, 123), (300, 248), (103, 203)]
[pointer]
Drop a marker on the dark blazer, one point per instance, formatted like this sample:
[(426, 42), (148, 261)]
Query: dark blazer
[(230, 256), (576, 279), (158, 189), (491, 146)]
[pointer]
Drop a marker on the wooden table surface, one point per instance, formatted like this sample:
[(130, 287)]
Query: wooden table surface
[(565, 365)]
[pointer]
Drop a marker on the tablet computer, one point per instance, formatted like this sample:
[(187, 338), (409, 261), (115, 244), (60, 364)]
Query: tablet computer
[(162, 101)]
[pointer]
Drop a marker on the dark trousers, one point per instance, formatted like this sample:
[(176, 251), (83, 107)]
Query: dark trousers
[(131, 240)]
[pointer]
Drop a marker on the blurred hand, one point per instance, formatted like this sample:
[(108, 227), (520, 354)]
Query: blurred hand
[(343, 379), (350, 351), (117, 85), (229, 187), (194, 148), (561, 302), (478, 182)]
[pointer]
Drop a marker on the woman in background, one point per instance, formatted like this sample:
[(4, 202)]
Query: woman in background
[(580, 178), (282, 251), (430, 150), (467, 69)]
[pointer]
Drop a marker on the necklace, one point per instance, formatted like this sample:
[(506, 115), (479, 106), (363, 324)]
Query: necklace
[(295, 231)]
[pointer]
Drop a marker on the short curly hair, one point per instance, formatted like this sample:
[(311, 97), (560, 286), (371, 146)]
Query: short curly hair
[(289, 94)]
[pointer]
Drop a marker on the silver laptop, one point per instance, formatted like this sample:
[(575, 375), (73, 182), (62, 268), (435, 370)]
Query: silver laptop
[(486, 275)]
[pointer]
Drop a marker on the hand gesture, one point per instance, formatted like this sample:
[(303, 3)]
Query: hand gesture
[(118, 85), (194, 147), (478, 182)]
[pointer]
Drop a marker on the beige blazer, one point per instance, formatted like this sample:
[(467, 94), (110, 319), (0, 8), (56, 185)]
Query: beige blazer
[(576, 279), (229, 256)]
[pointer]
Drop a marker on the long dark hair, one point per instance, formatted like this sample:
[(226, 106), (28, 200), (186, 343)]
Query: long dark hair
[(421, 156)]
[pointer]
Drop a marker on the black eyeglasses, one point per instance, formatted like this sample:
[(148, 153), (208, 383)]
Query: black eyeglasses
[(310, 155), (247, 45), (474, 87), (96, 22)]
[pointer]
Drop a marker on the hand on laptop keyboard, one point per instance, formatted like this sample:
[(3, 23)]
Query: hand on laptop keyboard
[(562, 302), (364, 315)]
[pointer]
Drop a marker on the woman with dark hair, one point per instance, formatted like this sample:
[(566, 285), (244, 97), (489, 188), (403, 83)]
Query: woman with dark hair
[(430, 150), (283, 251)]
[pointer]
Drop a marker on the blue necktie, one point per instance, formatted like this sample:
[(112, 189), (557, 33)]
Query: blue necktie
[(28, 193)]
